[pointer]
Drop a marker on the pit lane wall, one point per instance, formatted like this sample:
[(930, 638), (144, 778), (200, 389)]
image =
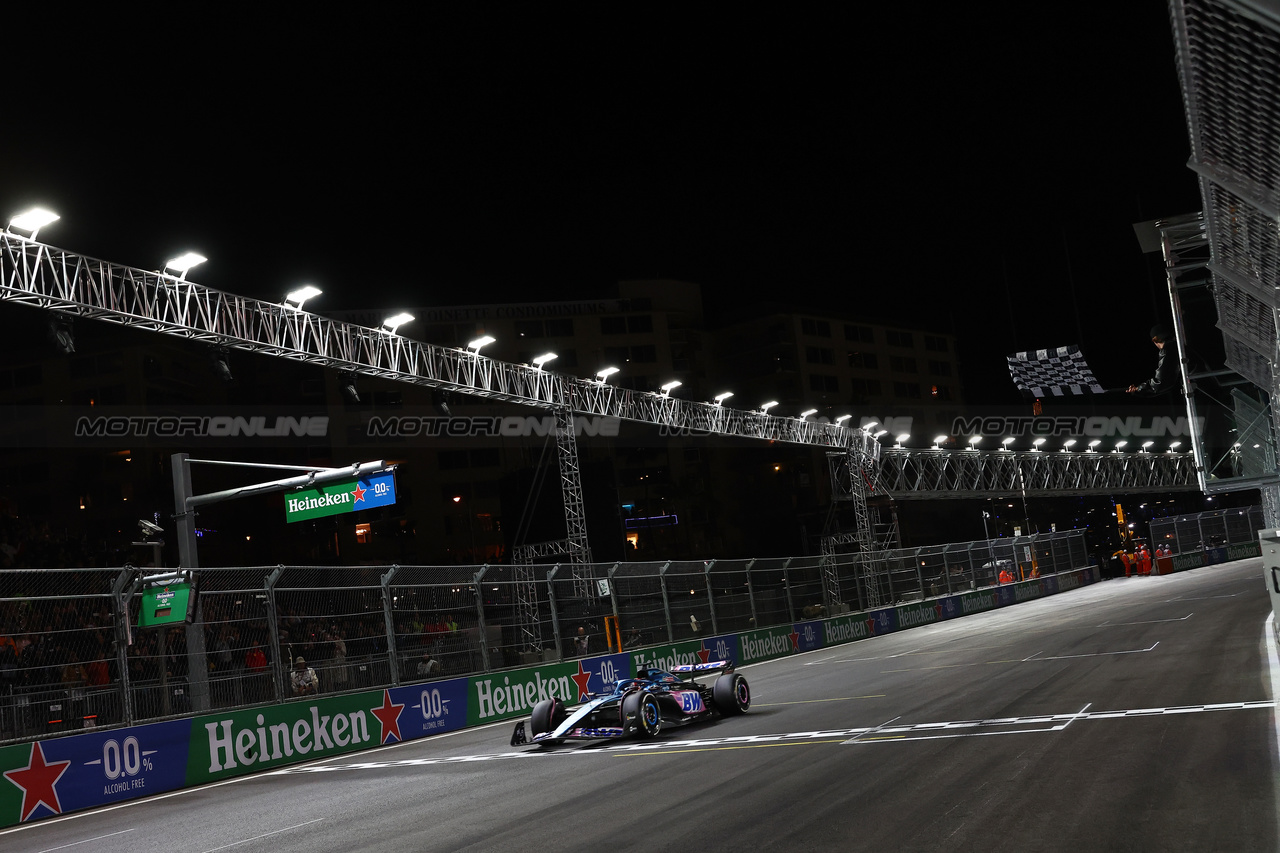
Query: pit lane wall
[(66, 774)]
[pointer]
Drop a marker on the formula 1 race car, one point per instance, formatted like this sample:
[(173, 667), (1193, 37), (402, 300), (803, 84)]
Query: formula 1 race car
[(642, 705)]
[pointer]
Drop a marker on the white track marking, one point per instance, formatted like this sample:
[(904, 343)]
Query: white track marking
[(881, 734)]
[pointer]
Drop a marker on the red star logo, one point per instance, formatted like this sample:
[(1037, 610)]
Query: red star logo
[(704, 653), (795, 641), (359, 493), (583, 680), (389, 717), (938, 609), (871, 626), (37, 781)]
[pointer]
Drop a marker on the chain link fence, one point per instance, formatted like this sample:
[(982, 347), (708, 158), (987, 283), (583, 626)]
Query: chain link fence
[(1213, 529), (72, 655)]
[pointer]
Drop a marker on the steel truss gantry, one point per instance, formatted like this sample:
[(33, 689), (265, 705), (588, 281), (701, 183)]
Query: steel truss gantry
[(42, 276), (913, 474), (53, 279)]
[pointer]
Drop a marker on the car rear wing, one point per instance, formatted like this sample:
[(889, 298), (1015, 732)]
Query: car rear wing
[(703, 668)]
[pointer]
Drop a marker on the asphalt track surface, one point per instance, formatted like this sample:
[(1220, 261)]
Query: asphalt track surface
[(1130, 715)]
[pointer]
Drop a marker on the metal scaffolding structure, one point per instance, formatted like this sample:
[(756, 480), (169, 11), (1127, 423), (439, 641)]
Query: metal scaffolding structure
[(42, 276), (1228, 55), (915, 474)]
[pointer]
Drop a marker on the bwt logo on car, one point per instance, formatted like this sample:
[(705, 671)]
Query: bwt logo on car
[(413, 426), (508, 698), (137, 426)]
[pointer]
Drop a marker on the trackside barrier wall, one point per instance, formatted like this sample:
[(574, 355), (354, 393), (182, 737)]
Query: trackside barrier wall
[(71, 657), (102, 766)]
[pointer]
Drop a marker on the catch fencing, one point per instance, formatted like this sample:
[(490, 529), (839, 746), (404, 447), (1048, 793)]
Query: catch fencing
[(1202, 531), (72, 656)]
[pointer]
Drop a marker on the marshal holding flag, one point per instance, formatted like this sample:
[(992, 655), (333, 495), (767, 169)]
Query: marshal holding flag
[(1053, 372)]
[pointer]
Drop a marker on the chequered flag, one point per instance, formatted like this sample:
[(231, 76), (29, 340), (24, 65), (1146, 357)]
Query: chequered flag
[(1056, 372)]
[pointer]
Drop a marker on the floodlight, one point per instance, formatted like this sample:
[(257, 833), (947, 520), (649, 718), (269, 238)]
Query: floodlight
[(1068, 444), (184, 263), (33, 220), (604, 374), (869, 424), (479, 342), (1035, 445), (807, 412), (722, 396), (1005, 442), (543, 359), (1095, 443), (973, 441), (902, 438), (301, 295), (220, 363), (1120, 444), (671, 386), (1146, 445), (394, 322), (59, 332), (764, 409), (1174, 446), (347, 381), (937, 440), (880, 433), (842, 418)]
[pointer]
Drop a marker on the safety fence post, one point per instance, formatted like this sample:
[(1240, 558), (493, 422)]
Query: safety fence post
[(555, 613), (711, 598), (388, 618), (666, 602), (482, 630), (786, 586), (278, 671)]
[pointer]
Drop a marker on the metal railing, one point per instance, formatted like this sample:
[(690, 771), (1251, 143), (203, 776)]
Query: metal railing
[(71, 656), (1213, 529)]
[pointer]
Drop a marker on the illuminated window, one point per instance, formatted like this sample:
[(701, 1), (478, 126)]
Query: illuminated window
[(363, 534)]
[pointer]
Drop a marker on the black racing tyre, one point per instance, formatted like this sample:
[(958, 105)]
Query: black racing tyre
[(546, 716), (642, 709), (731, 694)]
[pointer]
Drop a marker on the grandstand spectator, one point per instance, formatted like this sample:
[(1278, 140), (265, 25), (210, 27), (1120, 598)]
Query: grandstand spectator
[(303, 679), (428, 666)]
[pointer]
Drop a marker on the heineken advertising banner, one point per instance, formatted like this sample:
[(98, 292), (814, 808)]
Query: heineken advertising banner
[(808, 636), (59, 775), (506, 695), (343, 496), (846, 629), (1244, 550), (685, 653), (1192, 560), (768, 643)]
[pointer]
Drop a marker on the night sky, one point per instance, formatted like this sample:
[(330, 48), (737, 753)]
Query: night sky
[(972, 168)]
